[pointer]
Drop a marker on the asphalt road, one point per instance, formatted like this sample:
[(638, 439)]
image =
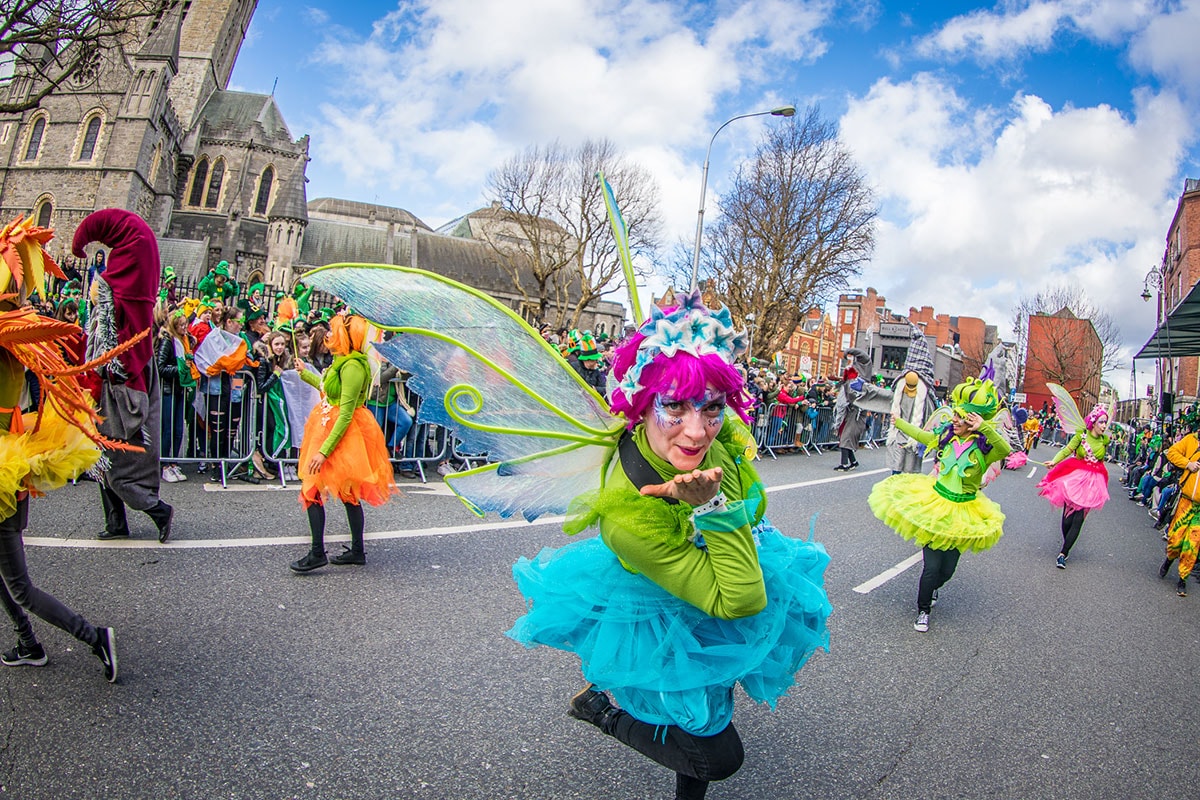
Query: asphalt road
[(240, 679)]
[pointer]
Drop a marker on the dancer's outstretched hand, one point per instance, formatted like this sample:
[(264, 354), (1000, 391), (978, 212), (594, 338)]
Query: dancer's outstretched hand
[(694, 488)]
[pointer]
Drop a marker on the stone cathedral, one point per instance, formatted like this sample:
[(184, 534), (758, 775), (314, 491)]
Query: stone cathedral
[(155, 129)]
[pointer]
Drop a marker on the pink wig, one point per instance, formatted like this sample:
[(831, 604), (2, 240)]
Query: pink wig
[(682, 376), (1094, 416)]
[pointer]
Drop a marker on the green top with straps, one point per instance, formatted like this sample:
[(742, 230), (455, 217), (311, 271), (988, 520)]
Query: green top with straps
[(961, 464), (345, 384), (1075, 447), (653, 537)]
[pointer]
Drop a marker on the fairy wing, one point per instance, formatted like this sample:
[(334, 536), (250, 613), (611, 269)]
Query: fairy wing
[(483, 373), (1064, 406)]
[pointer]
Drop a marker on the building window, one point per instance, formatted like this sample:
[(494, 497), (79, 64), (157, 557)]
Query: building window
[(264, 191), (35, 139), (198, 178), (845, 342), (89, 140), (214, 184), (43, 214), (848, 316)]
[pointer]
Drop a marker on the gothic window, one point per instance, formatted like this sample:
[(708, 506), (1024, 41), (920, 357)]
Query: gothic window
[(214, 184), (278, 233), (264, 191), (43, 214), (35, 139), (136, 91), (89, 139), (289, 239), (155, 163), (198, 178)]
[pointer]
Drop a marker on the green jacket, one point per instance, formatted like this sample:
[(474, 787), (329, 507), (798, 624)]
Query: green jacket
[(345, 385), (960, 469)]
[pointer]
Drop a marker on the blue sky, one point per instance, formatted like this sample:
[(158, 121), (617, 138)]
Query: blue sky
[(1012, 145)]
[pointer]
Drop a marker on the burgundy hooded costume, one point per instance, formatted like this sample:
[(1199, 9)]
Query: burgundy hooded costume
[(129, 394)]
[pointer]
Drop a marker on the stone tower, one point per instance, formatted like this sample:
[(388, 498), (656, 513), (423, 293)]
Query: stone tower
[(212, 36), (287, 220)]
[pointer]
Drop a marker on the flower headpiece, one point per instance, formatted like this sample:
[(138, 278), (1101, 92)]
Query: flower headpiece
[(690, 328), (1094, 415)]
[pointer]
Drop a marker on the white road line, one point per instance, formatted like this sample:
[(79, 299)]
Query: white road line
[(1031, 471), (264, 541), (887, 574)]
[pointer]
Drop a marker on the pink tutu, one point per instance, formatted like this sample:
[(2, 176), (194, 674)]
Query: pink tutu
[(1076, 483)]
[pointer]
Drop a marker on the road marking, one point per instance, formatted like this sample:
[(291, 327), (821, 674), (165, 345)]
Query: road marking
[(887, 574), (1031, 471), (436, 488), (264, 541)]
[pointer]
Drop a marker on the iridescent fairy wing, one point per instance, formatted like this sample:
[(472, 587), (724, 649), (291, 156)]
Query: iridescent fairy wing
[(1064, 406), (483, 373)]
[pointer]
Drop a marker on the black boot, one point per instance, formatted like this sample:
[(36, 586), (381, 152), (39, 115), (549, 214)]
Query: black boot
[(1165, 568), (594, 707), (1181, 588), (314, 560)]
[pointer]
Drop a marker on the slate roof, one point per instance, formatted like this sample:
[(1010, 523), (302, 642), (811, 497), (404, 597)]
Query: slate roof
[(241, 112), (189, 257), (336, 206), (290, 202), (163, 41)]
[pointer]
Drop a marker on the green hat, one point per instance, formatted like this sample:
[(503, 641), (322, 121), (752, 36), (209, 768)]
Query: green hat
[(222, 268), (280, 294), (587, 347), (255, 287), (168, 274), (976, 396), (255, 312)]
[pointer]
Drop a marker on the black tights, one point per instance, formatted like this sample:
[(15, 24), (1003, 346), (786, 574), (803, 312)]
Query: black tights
[(316, 524), (696, 760), (939, 567), (1072, 523)]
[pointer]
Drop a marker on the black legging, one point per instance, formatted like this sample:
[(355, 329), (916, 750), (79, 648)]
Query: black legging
[(696, 760), (316, 525), (939, 568), (1072, 523), (848, 458)]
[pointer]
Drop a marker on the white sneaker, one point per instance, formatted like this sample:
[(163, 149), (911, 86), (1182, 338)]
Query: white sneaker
[(445, 469), (168, 474), (179, 474), (922, 623)]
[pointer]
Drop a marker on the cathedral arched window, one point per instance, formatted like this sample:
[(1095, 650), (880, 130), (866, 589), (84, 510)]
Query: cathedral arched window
[(264, 191), (43, 214), (88, 148), (35, 139), (214, 184), (198, 178)]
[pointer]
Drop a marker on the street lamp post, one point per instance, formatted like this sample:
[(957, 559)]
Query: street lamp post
[(750, 329), (782, 111), (1163, 367)]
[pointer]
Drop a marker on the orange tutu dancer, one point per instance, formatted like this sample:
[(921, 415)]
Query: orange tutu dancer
[(343, 454), (358, 469)]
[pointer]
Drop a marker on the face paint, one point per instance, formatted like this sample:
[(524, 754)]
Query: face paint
[(683, 430)]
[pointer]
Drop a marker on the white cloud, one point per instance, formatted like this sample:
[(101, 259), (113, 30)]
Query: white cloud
[(982, 206), (1167, 46)]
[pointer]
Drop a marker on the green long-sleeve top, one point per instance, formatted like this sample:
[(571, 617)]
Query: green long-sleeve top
[(650, 536), (961, 463), (345, 385), (1075, 447)]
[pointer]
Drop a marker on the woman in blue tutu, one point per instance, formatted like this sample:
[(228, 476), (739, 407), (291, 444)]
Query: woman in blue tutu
[(687, 590)]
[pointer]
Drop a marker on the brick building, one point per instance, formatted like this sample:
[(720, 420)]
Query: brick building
[(1179, 378), (1066, 350), (813, 346)]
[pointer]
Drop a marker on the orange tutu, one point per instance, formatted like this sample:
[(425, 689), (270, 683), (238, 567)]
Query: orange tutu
[(357, 470)]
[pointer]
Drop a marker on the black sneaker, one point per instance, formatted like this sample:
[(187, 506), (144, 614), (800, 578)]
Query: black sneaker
[(348, 556), (852, 466), (106, 535), (1181, 588), (1165, 568), (840, 468), (105, 649), (310, 562), (592, 706), (33, 655)]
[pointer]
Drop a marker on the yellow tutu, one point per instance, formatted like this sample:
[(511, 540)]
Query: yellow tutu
[(908, 504)]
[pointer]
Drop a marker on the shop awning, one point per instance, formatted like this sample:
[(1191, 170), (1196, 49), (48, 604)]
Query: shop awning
[(1179, 335)]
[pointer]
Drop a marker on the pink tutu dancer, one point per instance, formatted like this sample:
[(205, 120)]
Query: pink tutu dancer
[(1076, 483)]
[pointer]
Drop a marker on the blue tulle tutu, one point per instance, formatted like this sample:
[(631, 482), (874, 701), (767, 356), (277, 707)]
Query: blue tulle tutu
[(663, 660)]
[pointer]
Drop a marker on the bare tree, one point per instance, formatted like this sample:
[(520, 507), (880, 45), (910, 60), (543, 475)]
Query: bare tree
[(798, 222), (550, 230), (45, 43), (1064, 353)]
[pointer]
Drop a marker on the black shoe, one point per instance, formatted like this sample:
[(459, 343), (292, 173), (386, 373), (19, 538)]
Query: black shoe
[(21, 656), (312, 561), (1181, 588), (840, 468), (105, 649), (592, 706), (106, 535), (852, 466), (1165, 568), (164, 532), (348, 556)]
